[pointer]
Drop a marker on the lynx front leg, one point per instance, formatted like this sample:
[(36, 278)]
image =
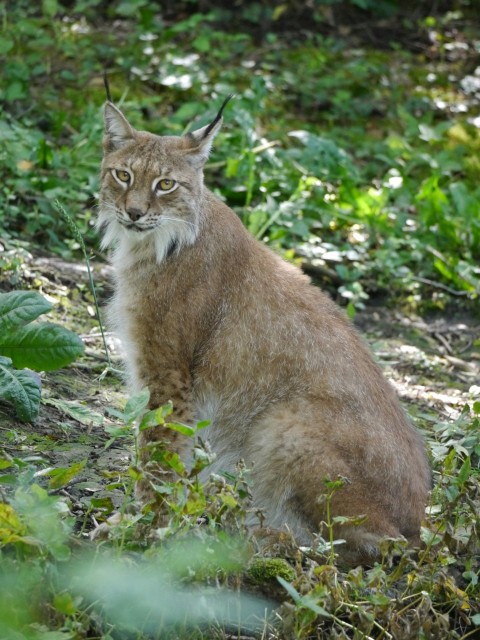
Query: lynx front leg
[(156, 443)]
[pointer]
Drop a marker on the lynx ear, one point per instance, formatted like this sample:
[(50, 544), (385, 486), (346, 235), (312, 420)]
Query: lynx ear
[(202, 139), (118, 131)]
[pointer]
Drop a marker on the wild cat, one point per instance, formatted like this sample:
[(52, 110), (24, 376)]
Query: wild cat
[(216, 322)]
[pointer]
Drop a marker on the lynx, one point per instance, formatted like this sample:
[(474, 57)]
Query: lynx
[(214, 321)]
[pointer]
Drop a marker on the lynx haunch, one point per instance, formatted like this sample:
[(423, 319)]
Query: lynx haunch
[(214, 321)]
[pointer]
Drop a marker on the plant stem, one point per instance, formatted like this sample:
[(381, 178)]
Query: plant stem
[(470, 634), (78, 236)]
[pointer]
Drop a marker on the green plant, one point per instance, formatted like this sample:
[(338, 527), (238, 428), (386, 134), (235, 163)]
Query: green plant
[(78, 237), (368, 166), (40, 346), (183, 499), (174, 580)]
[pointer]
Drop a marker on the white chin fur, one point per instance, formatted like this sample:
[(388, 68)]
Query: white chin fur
[(130, 246)]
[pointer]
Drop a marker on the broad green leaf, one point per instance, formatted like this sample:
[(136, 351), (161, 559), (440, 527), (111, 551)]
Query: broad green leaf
[(173, 461), (279, 11), (118, 432), (444, 269), (429, 537), (5, 45), (50, 7), (290, 589), (115, 413), (195, 504), (104, 503), (151, 419), (303, 601), (463, 200), (309, 602), (181, 428), (128, 9), (21, 389), (46, 518), (20, 307), (137, 404), (170, 459), (64, 603), (428, 133), (155, 417), (61, 476), (464, 472), (78, 412), (135, 473), (164, 489), (42, 346), (201, 43), (10, 524), (228, 499), (201, 460), (5, 362), (187, 111)]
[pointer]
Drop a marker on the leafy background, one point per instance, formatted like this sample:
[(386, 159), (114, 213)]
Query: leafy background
[(352, 148), (366, 161)]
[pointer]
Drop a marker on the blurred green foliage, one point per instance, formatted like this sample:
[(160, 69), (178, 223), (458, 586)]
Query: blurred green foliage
[(200, 579)]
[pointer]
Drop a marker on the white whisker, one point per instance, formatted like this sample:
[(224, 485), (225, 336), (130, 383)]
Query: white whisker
[(153, 233), (112, 208)]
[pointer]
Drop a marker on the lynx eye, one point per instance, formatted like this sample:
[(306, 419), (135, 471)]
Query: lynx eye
[(165, 184), (122, 176)]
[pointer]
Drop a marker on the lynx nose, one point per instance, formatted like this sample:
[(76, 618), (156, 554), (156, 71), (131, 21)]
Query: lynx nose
[(135, 214)]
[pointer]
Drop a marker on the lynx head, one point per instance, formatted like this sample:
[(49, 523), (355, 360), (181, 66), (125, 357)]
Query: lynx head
[(151, 186)]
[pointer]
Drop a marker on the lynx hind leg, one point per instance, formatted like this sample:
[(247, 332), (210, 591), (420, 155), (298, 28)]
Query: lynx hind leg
[(291, 463)]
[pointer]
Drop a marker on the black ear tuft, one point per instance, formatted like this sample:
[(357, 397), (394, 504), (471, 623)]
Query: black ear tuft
[(107, 87), (218, 116)]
